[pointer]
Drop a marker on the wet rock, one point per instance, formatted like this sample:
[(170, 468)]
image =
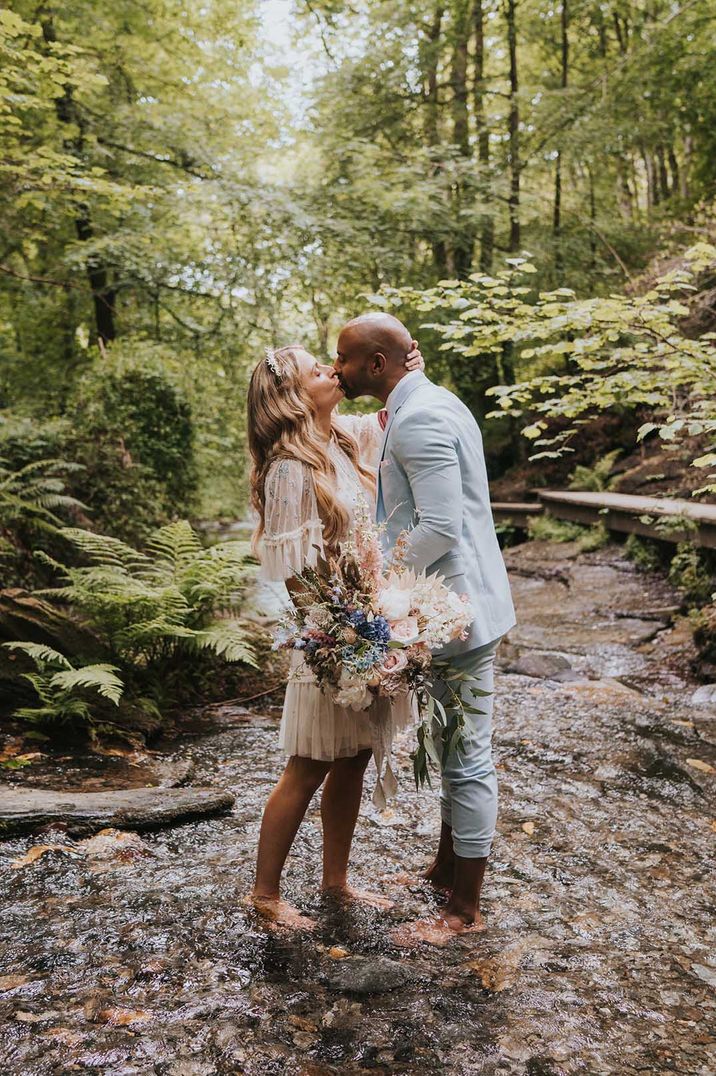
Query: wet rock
[(21, 810), (367, 975), (345, 1015), (705, 972), (705, 695), (705, 725), (174, 773), (542, 666), (190, 1067)]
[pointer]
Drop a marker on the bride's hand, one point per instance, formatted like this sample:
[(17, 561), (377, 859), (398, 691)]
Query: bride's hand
[(415, 360)]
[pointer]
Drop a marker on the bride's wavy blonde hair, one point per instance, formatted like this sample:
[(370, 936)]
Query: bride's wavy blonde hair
[(282, 425)]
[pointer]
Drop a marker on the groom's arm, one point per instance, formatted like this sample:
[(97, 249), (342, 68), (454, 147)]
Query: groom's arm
[(425, 446)]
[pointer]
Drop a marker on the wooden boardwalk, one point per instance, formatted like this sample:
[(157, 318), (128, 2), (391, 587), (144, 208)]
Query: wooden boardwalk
[(653, 517)]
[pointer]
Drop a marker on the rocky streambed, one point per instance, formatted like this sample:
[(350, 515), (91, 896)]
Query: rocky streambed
[(130, 952)]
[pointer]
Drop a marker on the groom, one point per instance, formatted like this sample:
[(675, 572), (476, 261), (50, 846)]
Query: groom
[(432, 482)]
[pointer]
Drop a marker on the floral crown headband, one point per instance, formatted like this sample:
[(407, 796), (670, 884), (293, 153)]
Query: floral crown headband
[(272, 363)]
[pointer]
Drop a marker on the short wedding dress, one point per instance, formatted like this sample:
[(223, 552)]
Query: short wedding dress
[(312, 724)]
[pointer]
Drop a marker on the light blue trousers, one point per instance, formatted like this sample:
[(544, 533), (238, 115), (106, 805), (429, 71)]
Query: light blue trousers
[(468, 798)]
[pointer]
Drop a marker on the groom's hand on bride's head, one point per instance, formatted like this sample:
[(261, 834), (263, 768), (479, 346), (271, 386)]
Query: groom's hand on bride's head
[(414, 360)]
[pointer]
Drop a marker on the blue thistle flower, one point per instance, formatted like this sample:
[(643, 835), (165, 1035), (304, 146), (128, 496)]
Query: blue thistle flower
[(376, 630)]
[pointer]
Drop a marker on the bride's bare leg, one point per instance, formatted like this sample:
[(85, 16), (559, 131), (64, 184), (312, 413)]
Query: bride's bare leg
[(340, 804), (283, 814)]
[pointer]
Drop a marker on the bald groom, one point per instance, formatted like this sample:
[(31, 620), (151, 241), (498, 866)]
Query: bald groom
[(432, 482)]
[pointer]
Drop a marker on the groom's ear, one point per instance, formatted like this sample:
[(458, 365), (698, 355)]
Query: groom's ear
[(378, 363)]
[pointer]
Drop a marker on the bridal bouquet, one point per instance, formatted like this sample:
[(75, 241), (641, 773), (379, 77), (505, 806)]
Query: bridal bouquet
[(367, 629)]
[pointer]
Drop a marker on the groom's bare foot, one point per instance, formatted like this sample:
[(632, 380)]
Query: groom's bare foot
[(346, 894), (278, 914), (442, 882), (441, 875), (438, 930)]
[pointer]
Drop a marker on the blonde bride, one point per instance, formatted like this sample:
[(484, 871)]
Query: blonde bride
[(312, 473)]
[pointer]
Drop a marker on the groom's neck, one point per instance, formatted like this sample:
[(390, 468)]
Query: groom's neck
[(391, 380)]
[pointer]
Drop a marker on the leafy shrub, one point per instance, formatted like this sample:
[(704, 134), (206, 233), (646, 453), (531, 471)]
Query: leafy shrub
[(646, 553), (130, 444), (162, 621), (690, 572), (704, 625), (595, 538), (547, 528), (595, 479), (134, 433)]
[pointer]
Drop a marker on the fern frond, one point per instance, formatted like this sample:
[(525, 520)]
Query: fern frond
[(227, 638), (68, 710), (102, 678), (176, 544), (102, 549), (40, 653), (40, 684)]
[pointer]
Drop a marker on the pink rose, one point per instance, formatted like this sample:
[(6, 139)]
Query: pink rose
[(395, 662), (405, 630)]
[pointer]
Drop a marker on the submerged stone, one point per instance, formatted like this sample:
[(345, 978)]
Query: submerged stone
[(705, 695), (543, 666), (367, 975)]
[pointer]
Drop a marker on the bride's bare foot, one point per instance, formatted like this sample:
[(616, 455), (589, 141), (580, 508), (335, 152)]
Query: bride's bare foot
[(278, 914), (438, 930), (346, 894)]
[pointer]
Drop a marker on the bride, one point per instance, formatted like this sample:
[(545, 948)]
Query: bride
[(311, 473)]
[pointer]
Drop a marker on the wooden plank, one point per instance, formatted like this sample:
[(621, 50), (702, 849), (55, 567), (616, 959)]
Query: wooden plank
[(516, 513), (653, 517)]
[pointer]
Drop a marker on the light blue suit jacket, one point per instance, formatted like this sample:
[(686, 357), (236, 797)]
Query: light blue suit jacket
[(433, 483)]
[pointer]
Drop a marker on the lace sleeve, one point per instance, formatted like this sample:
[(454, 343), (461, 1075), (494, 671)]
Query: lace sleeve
[(367, 432), (292, 526)]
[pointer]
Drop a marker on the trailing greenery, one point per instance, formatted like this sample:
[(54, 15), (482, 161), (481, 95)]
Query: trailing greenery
[(163, 622)]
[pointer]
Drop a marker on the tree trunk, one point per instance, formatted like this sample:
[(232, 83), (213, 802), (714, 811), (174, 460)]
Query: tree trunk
[(557, 212), (487, 224), (674, 169), (513, 126), (662, 174), (593, 223), (430, 56), (652, 191), (103, 295), (625, 198), (465, 233)]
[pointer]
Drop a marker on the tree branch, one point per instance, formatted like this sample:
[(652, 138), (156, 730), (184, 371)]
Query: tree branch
[(152, 157)]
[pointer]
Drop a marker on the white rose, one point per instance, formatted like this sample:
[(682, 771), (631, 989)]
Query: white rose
[(353, 693), (394, 603)]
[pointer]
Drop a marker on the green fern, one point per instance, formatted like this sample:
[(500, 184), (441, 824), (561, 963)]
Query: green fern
[(102, 678), (595, 479), (33, 491), (156, 618), (227, 639), (61, 692), (40, 654)]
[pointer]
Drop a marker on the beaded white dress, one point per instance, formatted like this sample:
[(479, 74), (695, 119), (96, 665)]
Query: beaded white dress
[(312, 725)]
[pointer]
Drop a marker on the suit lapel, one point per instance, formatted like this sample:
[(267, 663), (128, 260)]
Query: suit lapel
[(410, 387)]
